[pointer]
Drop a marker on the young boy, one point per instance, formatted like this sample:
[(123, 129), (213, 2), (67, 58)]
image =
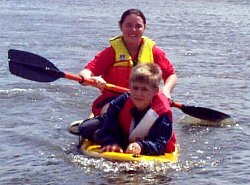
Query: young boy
[(139, 122)]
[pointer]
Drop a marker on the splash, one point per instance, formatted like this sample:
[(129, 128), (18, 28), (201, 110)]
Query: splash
[(106, 166)]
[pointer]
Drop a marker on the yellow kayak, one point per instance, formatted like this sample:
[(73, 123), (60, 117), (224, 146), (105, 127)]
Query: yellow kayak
[(89, 149)]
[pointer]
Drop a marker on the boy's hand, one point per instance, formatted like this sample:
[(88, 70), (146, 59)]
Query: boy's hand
[(133, 148), (112, 148)]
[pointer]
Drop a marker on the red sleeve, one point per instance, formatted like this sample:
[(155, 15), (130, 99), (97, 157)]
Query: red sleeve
[(101, 62), (161, 59)]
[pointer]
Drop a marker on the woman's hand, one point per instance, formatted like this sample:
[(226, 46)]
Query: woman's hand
[(112, 148), (133, 148), (100, 82)]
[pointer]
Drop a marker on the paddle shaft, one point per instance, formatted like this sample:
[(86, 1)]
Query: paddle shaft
[(89, 81)]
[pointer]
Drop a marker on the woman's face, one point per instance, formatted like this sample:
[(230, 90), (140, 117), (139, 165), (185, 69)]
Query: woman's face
[(142, 94), (132, 29)]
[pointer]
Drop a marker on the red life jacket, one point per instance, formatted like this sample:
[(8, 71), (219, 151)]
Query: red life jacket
[(160, 105)]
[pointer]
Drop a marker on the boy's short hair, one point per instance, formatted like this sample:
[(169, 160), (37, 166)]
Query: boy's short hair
[(148, 73)]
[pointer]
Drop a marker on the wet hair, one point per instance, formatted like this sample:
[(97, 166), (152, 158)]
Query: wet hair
[(132, 11), (148, 73)]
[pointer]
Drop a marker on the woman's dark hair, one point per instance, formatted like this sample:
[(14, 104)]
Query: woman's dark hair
[(132, 11)]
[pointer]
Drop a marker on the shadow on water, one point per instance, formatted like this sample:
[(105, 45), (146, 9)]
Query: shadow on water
[(188, 120)]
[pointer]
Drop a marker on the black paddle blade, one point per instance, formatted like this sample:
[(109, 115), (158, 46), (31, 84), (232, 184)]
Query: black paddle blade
[(205, 113), (32, 67)]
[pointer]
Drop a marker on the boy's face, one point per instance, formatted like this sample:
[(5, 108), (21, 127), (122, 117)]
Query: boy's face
[(142, 94)]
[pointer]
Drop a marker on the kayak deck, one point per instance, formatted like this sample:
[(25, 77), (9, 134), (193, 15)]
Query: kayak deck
[(89, 149)]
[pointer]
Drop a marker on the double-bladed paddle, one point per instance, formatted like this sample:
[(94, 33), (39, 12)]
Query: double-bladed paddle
[(36, 68)]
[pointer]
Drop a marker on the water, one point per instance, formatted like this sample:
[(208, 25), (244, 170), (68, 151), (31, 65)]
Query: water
[(208, 42)]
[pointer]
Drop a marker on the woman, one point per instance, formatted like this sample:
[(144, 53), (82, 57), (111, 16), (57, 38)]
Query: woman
[(114, 63)]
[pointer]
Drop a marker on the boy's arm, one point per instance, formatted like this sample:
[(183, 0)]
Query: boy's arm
[(110, 133)]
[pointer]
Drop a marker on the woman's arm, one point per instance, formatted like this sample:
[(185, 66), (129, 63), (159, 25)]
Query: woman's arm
[(169, 85), (86, 73), (168, 72), (99, 65)]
